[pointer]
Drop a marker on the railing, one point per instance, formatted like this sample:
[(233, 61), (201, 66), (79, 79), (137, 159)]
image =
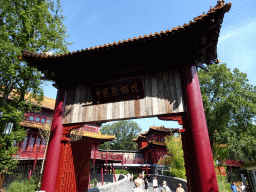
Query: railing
[(232, 163), (106, 156), (29, 154), (117, 157)]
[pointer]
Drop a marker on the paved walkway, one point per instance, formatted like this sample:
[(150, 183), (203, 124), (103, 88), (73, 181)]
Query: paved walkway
[(150, 189)]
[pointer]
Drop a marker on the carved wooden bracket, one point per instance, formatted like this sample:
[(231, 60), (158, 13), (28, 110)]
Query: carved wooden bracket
[(172, 117)]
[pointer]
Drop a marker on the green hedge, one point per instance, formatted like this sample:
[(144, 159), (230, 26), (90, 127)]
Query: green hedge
[(23, 185), (121, 171), (223, 183)]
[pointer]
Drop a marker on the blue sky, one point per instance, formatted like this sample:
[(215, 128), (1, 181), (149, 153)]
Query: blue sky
[(94, 23)]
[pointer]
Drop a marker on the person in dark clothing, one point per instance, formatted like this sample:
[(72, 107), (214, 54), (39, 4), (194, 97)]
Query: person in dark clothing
[(146, 184)]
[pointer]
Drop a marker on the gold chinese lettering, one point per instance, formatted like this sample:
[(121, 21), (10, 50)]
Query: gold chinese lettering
[(105, 92), (114, 91), (135, 88), (98, 93), (125, 89)]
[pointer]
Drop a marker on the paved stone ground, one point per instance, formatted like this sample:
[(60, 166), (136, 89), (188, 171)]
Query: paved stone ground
[(130, 186)]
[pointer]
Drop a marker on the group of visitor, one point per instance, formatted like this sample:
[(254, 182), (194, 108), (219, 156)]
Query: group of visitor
[(241, 188), (140, 180)]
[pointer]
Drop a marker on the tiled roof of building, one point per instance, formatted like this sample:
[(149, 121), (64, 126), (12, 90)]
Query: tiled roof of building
[(220, 5), (160, 128), (98, 136), (32, 124), (140, 136), (36, 125), (157, 128), (152, 143), (47, 103)]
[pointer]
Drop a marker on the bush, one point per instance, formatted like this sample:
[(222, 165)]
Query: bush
[(223, 183), (121, 171), (23, 185), (94, 183), (178, 173), (135, 176)]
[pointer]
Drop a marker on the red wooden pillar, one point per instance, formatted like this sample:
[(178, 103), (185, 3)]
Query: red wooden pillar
[(53, 152), (113, 170), (201, 170), (102, 173), (185, 152), (89, 186)]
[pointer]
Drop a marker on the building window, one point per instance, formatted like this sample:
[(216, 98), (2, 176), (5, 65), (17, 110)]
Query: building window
[(31, 143), (43, 120), (37, 119), (38, 141), (24, 144), (31, 118), (49, 121)]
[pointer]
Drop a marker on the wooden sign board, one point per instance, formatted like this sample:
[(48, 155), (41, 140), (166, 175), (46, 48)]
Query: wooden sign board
[(117, 90), (159, 93)]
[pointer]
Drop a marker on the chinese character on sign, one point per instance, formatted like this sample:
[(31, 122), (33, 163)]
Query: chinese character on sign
[(114, 91), (125, 89), (135, 88), (98, 93), (105, 92)]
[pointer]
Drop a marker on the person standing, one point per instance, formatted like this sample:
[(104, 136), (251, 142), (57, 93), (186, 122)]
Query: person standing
[(233, 187), (146, 184), (180, 189), (129, 177), (242, 187), (132, 177), (165, 188), (137, 186), (155, 184)]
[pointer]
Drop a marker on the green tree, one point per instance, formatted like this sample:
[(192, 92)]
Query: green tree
[(230, 109), (175, 156), (35, 25), (124, 131)]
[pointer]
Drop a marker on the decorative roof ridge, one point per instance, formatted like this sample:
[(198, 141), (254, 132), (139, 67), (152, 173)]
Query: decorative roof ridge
[(220, 4)]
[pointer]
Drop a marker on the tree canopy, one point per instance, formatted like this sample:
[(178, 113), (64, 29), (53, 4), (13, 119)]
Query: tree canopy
[(124, 131), (230, 108), (174, 156), (35, 25)]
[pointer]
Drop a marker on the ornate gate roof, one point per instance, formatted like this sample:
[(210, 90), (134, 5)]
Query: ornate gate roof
[(195, 41)]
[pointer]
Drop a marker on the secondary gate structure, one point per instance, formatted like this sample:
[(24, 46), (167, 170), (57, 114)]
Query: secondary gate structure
[(150, 76)]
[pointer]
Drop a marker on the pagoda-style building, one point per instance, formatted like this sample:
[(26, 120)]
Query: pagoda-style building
[(152, 144), (32, 149)]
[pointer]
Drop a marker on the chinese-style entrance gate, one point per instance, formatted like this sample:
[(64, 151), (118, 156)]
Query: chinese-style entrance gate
[(149, 76)]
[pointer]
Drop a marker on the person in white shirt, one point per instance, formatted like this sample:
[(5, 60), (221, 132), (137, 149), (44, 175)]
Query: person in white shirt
[(137, 186), (242, 187), (128, 176), (165, 188), (180, 189), (155, 184)]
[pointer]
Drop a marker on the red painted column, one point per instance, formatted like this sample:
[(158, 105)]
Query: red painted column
[(102, 174), (53, 151), (201, 170), (113, 170)]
